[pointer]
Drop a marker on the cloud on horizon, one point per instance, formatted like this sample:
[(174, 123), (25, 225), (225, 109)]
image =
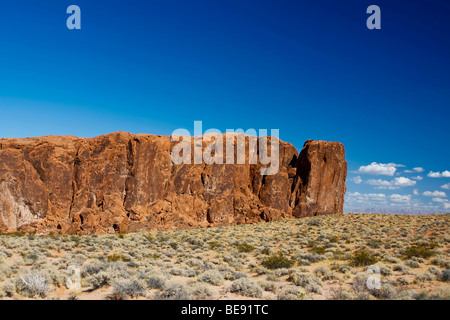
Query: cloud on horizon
[(444, 174), (436, 193), (396, 183), (385, 169)]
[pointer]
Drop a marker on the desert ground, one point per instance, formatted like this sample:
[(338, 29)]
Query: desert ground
[(323, 257)]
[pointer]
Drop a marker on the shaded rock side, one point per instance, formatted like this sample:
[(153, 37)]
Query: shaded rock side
[(122, 182)]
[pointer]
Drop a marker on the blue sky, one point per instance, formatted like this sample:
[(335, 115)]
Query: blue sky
[(311, 69)]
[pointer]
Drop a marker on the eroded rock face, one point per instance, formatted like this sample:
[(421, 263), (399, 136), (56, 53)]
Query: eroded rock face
[(122, 182)]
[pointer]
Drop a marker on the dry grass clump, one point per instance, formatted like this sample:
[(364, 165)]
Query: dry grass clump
[(246, 287)]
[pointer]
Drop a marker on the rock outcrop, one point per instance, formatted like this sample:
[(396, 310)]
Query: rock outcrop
[(122, 182)]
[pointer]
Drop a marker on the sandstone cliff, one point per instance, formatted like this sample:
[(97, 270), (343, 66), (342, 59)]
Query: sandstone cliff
[(122, 182)]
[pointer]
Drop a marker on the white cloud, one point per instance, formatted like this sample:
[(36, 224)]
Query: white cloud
[(403, 182), (385, 169), (446, 186), (418, 178), (440, 200), (415, 170), (357, 180), (444, 174), (397, 183), (446, 205), (439, 194), (416, 192), (398, 198)]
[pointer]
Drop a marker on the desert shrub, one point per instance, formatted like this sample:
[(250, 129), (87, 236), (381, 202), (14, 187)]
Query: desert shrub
[(345, 269), (421, 251), (277, 261), (281, 272), (201, 291), (403, 280), (117, 257), (5, 272), (245, 247), (72, 297), (363, 258), (436, 271), (364, 295), (374, 243), (57, 277), (128, 288), (402, 268), (306, 280), (384, 270), (315, 223), (386, 292), (3, 256), (195, 241), (339, 293), (339, 255), (441, 262), (156, 281), (446, 275), (291, 293), (174, 291), (266, 250), (8, 289), (195, 263), (212, 276), (318, 250), (360, 282), (412, 264), (441, 294), (247, 288), (34, 285), (268, 286), (304, 258), (420, 295), (214, 244), (424, 277), (324, 273), (92, 268), (391, 259), (99, 280), (233, 261), (229, 274)]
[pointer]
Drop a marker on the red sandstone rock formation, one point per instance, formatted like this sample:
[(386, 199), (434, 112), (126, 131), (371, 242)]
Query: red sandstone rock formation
[(122, 182)]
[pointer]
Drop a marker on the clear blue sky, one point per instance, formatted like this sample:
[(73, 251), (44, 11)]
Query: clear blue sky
[(308, 68)]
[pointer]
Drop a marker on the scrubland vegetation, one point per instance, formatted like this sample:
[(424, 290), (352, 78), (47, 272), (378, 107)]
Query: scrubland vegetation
[(324, 257)]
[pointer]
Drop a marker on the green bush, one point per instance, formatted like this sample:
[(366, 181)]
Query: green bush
[(421, 251), (245, 247), (277, 261), (317, 250), (117, 257), (214, 244), (363, 258)]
